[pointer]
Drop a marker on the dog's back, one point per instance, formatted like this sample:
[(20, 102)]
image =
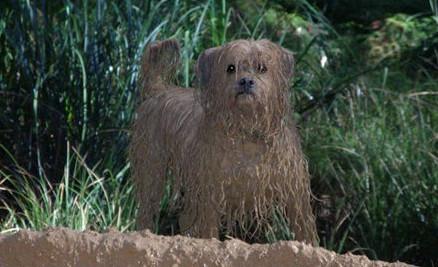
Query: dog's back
[(166, 117)]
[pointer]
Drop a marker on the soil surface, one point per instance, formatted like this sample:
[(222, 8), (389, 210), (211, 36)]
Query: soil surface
[(64, 247)]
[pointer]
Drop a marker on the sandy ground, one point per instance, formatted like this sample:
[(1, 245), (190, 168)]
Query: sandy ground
[(64, 247)]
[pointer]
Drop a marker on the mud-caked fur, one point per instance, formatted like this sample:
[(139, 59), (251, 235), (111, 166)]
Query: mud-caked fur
[(230, 145)]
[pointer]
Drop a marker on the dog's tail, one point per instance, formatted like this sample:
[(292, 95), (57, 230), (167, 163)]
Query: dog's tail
[(159, 64)]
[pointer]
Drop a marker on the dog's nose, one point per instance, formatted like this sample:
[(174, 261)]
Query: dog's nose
[(247, 84)]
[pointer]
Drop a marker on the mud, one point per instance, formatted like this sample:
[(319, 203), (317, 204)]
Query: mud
[(64, 247)]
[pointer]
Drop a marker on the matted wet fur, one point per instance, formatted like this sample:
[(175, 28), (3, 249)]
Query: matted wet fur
[(230, 145)]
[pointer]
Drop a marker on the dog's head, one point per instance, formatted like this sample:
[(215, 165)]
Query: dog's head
[(246, 82)]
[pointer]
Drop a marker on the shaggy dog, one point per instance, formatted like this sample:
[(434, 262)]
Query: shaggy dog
[(233, 152)]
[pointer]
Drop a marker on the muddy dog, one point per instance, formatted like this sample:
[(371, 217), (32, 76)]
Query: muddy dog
[(231, 145)]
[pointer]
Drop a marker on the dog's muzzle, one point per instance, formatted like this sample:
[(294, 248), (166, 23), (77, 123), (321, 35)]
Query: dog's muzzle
[(246, 86)]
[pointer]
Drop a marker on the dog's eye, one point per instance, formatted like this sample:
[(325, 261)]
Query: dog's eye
[(231, 68), (262, 68)]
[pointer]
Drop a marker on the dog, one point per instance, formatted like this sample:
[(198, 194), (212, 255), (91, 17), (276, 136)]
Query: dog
[(229, 147)]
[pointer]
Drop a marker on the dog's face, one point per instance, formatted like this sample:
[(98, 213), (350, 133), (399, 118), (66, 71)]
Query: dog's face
[(245, 81)]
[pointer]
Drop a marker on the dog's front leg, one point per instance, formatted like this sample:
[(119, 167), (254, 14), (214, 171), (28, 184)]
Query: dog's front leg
[(302, 220), (201, 221), (209, 225)]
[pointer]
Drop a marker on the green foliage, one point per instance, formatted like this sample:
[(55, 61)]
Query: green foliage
[(398, 34), (378, 157), (85, 198), (68, 75)]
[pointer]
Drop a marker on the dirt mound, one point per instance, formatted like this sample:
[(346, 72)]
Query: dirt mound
[(64, 247)]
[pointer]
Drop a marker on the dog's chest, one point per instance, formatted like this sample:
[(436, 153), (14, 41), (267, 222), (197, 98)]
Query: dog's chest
[(241, 161)]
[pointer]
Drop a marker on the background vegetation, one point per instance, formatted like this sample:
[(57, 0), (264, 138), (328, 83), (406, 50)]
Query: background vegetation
[(365, 95)]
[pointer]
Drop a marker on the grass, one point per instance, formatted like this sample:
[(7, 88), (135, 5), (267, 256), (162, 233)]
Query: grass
[(68, 91), (378, 161), (84, 198)]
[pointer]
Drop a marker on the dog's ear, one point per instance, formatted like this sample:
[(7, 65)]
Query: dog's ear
[(287, 60), (284, 56), (205, 65)]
